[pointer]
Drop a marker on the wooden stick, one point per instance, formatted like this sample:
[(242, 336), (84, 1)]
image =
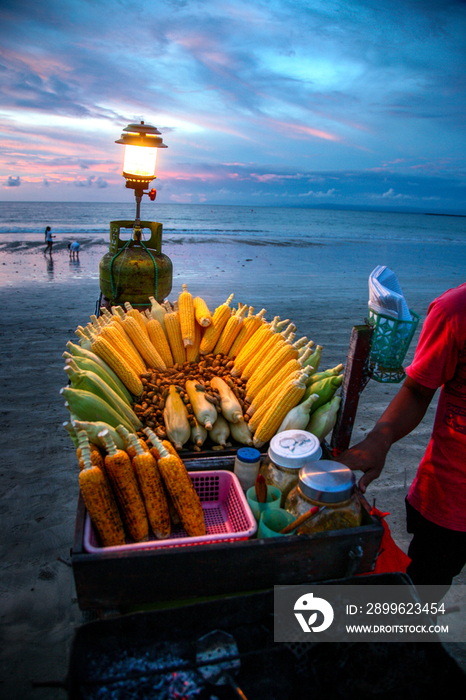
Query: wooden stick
[(299, 521)]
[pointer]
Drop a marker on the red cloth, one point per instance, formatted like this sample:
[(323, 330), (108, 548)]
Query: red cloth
[(438, 491), (391, 558)]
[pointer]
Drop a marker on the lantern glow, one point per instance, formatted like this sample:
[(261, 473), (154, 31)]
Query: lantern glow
[(140, 161)]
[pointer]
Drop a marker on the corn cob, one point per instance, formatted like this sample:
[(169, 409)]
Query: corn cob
[(114, 335), (181, 489), (212, 333), (297, 418), (84, 405), (78, 352), (175, 416), (326, 388), (205, 412), (125, 487), (202, 312), (152, 489), (187, 319), (172, 324), (271, 345), (314, 359), (254, 344), (116, 323), (241, 433), (198, 433), (119, 365), (83, 339), (89, 381), (229, 404), (331, 372), (96, 458), (157, 312), (192, 351), (134, 313), (250, 325), (272, 419), (99, 499), (288, 369), (85, 365), (323, 420), (92, 430), (279, 391), (159, 341), (220, 431), (231, 330), (270, 365), (143, 344)]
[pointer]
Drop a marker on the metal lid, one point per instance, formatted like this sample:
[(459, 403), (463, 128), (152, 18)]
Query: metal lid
[(327, 481), (248, 454), (294, 448)]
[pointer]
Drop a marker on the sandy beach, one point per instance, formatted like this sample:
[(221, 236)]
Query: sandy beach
[(42, 303)]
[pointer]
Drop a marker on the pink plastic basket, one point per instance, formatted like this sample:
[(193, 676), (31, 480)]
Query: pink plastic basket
[(227, 516)]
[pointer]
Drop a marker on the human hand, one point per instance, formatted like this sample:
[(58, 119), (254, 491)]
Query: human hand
[(367, 456)]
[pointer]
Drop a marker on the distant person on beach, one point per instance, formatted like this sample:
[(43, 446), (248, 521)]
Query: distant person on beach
[(436, 502), (74, 250), (49, 240)]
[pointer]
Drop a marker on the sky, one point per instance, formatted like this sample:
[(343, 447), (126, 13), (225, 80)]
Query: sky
[(341, 103)]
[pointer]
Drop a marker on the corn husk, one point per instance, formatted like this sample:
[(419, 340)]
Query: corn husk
[(324, 418)]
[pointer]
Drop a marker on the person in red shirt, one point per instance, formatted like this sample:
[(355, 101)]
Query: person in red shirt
[(436, 501)]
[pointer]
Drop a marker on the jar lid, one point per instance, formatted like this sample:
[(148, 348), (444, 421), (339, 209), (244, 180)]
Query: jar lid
[(294, 448), (248, 454), (327, 481)]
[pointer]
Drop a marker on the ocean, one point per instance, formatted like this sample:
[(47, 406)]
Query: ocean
[(306, 264)]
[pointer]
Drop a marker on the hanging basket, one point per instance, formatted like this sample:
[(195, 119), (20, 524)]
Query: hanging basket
[(390, 342)]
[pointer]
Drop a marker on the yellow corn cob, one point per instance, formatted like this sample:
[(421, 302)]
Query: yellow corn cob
[(274, 416), (125, 487), (103, 349), (202, 312), (172, 324), (134, 313), (230, 331), (212, 332), (99, 499), (270, 346), (159, 341), (250, 325), (152, 489), (181, 489), (249, 350), (285, 371), (187, 320), (117, 323), (274, 397), (115, 337), (143, 344), (192, 351), (271, 364), (95, 454)]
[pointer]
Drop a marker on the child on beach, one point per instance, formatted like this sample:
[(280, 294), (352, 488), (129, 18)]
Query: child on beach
[(74, 250), (436, 502), (49, 240)]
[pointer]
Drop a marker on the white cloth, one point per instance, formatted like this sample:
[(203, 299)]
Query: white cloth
[(385, 294)]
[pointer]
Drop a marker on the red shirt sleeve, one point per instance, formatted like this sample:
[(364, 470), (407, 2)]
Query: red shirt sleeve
[(436, 356)]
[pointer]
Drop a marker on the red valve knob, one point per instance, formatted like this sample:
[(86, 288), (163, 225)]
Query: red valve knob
[(152, 194)]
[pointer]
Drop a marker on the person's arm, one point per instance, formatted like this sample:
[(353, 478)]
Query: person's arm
[(403, 414)]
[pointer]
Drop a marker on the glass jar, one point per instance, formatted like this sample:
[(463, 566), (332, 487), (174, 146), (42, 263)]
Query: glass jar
[(288, 452), (247, 462), (330, 486)]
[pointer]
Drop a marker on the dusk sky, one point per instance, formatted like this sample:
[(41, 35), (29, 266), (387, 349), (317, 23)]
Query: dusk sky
[(260, 102)]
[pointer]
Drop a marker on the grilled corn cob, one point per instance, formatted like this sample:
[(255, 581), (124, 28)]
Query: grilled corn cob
[(187, 319), (181, 489), (212, 332), (125, 487), (99, 499), (152, 489)]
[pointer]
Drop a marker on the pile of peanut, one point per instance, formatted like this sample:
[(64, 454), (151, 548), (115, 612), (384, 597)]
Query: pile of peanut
[(149, 408)]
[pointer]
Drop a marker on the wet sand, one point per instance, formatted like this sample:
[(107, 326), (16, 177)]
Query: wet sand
[(42, 303)]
